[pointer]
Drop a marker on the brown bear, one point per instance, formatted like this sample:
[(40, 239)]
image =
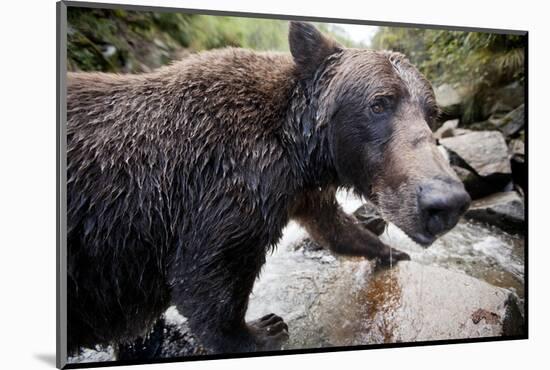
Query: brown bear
[(180, 180)]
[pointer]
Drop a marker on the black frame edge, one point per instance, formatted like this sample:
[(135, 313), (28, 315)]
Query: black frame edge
[(526, 190), (85, 365), (61, 203)]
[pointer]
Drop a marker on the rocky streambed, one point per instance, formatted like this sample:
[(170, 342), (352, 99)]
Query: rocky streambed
[(469, 284)]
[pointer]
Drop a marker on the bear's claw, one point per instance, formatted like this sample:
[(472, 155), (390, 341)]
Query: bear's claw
[(270, 332)]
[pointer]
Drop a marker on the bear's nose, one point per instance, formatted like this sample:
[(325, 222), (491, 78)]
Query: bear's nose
[(441, 204)]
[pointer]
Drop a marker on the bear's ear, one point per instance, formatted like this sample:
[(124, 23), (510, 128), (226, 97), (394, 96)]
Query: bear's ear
[(309, 47)]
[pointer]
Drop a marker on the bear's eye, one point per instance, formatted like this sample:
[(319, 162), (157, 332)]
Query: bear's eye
[(379, 106)]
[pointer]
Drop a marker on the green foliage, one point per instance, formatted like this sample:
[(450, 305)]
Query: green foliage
[(208, 32), (131, 41), (122, 41), (145, 40), (476, 61), (457, 56)]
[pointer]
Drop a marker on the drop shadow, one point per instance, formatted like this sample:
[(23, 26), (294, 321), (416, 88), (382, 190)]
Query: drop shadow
[(46, 358)]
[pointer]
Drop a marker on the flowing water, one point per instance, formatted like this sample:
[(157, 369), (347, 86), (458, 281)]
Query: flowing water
[(333, 301), (486, 253)]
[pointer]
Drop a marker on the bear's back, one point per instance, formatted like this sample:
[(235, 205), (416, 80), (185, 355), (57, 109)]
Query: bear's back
[(140, 146), (222, 96)]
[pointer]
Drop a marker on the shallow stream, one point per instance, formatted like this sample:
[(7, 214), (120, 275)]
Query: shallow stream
[(327, 300)]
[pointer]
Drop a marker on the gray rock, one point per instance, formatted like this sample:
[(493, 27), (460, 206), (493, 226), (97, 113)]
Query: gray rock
[(511, 94), (516, 147), (467, 177), (349, 301), (447, 129), (500, 109), (484, 151), (447, 96), (487, 125), (450, 99), (512, 123), (505, 210), (515, 121), (503, 98), (412, 302), (459, 166), (461, 131), (478, 186)]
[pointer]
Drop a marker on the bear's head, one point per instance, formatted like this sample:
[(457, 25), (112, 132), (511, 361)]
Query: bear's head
[(376, 110)]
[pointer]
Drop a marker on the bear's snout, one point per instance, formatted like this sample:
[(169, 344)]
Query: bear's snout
[(441, 203)]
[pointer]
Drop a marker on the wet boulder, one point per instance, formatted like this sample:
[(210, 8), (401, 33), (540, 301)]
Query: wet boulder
[(488, 125), (461, 131), (516, 147), (485, 151), (447, 95), (345, 301), (447, 129), (413, 302), (353, 302), (450, 100), (481, 160), (505, 210), (500, 109), (512, 123), (503, 99)]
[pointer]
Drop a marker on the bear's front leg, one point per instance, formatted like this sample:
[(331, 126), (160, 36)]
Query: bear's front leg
[(330, 226), (211, 287)]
